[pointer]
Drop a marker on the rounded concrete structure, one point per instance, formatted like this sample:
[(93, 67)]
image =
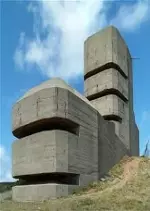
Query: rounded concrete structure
[(48, 100), (57, 139), (53, 83)]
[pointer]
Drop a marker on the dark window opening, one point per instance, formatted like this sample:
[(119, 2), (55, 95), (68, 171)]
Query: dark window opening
[(112, 117), (58, 178), (107, 92), (47, 124), (104, 67)]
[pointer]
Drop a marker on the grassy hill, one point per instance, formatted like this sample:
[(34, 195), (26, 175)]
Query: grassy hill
[(127, 188), (6, 186)]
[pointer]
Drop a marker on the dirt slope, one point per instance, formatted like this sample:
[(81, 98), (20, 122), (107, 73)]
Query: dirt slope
[(128, 188)]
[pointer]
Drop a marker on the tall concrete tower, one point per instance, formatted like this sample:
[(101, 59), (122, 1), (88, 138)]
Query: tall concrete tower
[(108, 83)]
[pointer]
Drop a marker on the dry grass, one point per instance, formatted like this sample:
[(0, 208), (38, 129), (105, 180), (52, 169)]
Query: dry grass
[(127, 189)]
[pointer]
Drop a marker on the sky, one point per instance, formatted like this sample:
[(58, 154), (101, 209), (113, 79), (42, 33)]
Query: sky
[(43, 39)]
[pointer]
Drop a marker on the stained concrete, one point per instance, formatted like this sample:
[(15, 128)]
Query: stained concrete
[(104, 47), (66, 140), (110, 105), (41, 192), (104, 80), (109, 82), (44, 102), (55, 150)]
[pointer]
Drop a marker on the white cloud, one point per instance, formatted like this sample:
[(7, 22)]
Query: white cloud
[(5, 168), (19, 53), (60, 28), (129, 17), (65, 25)]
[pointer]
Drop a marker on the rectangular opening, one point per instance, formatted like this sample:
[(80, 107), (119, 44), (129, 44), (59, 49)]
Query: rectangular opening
[(54, 123), (106, 92), (112, 117), (104, 67), (58, 178)]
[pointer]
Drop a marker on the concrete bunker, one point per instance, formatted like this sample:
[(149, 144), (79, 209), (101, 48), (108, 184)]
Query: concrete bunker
[(66, 140)]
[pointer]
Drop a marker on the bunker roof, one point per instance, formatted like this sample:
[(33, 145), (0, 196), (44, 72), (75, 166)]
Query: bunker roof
[(55, 82)]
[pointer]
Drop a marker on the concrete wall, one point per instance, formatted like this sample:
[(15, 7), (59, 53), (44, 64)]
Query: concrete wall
[(43, 152), (109, 105), (103, 47), (41, 192), (134, 138), (55, 150), (110, 148), (109, 81)]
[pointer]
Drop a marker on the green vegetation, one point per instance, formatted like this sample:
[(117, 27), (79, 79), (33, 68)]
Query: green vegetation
[(6, 186), (126, 189)]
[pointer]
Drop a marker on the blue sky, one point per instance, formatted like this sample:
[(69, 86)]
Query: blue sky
[(42, 39)]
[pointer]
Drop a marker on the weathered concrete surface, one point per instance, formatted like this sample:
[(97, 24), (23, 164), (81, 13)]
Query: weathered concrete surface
[(110, 105), (54, 151), (108, 79), (104, 47), (108, 67), (41, 192), (40, 153), (60, 132), (110, 148), (134, 138), (81, 150), (136, 147), (43, 102)]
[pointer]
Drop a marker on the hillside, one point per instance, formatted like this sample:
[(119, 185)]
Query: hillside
[(127, 188), (6, 186)]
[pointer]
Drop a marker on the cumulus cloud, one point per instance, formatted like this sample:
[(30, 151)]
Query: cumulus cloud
[(19, 55), (129, 17), (60, 28), (5, 168)]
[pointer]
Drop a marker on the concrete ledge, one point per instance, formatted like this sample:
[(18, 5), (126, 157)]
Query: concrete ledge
[(43, 152), (46, 101), (107, 79), (110, 105), (41, 192), (104, 47)]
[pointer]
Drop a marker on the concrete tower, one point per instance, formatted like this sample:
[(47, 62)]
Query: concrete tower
[(109, 84)]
